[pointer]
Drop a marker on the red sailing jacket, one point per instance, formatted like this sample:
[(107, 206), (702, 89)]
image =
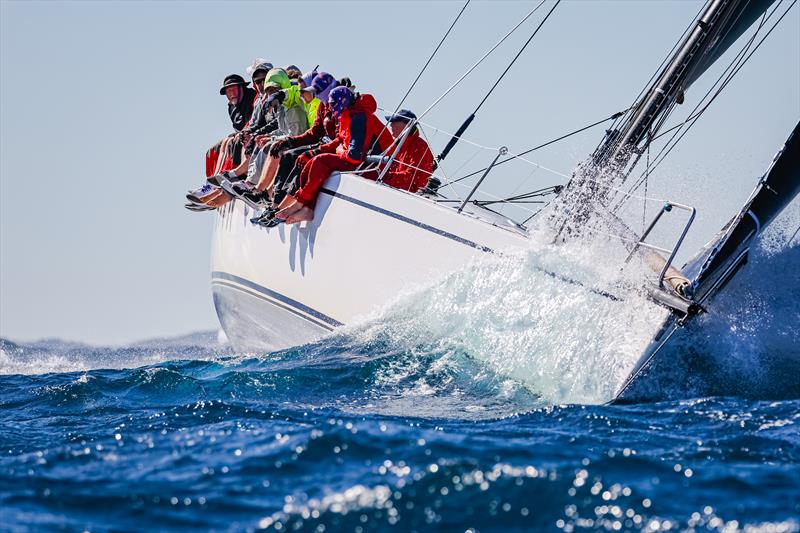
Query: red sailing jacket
[(413, 165), (359, 129)]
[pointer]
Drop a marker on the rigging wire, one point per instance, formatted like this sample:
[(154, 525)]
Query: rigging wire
[(424, 67), (473, 67), (663, 62), (667, 112), (428, 62), (470, 118), (737, 63), (793, 236), (548, 143), (647, 174)]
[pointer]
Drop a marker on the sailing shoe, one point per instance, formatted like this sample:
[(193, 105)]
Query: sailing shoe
[(198, 195), (271, 223), (216, 179), (197, 207), (243, 187), (248, 191), (267, 214), (227, 186)]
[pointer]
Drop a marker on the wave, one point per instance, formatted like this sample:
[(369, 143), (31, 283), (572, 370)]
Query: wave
[(55, 355), (501, 336)]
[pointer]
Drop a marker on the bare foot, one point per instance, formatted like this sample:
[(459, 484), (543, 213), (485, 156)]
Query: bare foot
[(286, 202), (303, 215), (289, 211)]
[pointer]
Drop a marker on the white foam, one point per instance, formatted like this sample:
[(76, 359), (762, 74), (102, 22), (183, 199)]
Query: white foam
[(565, 342)]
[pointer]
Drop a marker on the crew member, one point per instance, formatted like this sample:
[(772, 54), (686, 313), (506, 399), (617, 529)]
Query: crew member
[(359, 130), (413, 165)]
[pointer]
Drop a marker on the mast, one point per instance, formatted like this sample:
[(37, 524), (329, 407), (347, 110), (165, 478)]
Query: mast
[(719, 25)]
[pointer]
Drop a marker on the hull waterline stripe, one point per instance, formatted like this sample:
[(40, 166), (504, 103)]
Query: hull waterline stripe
[(216, 275), (260, 296), (456, 238)]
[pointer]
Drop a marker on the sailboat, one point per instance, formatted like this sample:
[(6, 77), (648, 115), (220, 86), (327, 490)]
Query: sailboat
[(274, 288)]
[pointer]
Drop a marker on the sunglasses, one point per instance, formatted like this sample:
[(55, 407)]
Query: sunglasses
[(259, 81)]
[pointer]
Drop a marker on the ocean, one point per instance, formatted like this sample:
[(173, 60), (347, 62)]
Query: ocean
[(434, 415)]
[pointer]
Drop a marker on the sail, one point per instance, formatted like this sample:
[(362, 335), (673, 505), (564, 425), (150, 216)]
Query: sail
[(776, 189), (719, 25), (739, 20)]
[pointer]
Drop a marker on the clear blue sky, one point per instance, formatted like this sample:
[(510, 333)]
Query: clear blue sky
[(106, 109)]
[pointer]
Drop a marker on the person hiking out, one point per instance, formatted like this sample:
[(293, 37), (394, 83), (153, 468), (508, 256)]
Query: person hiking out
[(359, 130), (232, 164), (240, 109), (280, 179)]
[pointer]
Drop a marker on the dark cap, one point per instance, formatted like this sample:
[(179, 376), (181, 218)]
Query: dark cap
[(266, 67), (231, 80), (404, 115)]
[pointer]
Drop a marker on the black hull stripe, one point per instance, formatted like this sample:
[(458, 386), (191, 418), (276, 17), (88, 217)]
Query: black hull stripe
[(407, 220), (291, 303), (456, 238), (260, 296)]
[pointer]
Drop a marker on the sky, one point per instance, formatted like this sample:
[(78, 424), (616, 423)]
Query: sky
[(107, 108)]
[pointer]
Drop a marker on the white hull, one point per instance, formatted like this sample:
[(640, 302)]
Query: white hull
[(289, 285)]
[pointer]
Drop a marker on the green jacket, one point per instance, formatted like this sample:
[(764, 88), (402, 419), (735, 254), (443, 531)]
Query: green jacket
[(311, 111), (294, 121)]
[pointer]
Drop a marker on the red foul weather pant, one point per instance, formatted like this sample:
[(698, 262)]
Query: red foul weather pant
[(314, 174)]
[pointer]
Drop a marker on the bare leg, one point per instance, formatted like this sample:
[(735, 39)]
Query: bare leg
[(288, 202), (242, 168), (268, 174), (292, 207), (223, 154)]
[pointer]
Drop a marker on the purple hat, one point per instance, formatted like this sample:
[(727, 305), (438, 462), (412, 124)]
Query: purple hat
[(322, 84), (308, 78), (340, 98)]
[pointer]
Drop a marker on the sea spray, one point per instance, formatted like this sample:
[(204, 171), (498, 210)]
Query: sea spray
[(563, 320), (747, 343)]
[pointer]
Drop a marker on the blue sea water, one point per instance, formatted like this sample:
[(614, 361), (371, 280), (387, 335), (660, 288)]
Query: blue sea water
[(340, 436), (404, 424)]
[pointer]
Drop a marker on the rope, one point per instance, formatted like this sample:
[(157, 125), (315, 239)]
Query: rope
[(737, 63), (548, 143), (471, 117), (473, 67)]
